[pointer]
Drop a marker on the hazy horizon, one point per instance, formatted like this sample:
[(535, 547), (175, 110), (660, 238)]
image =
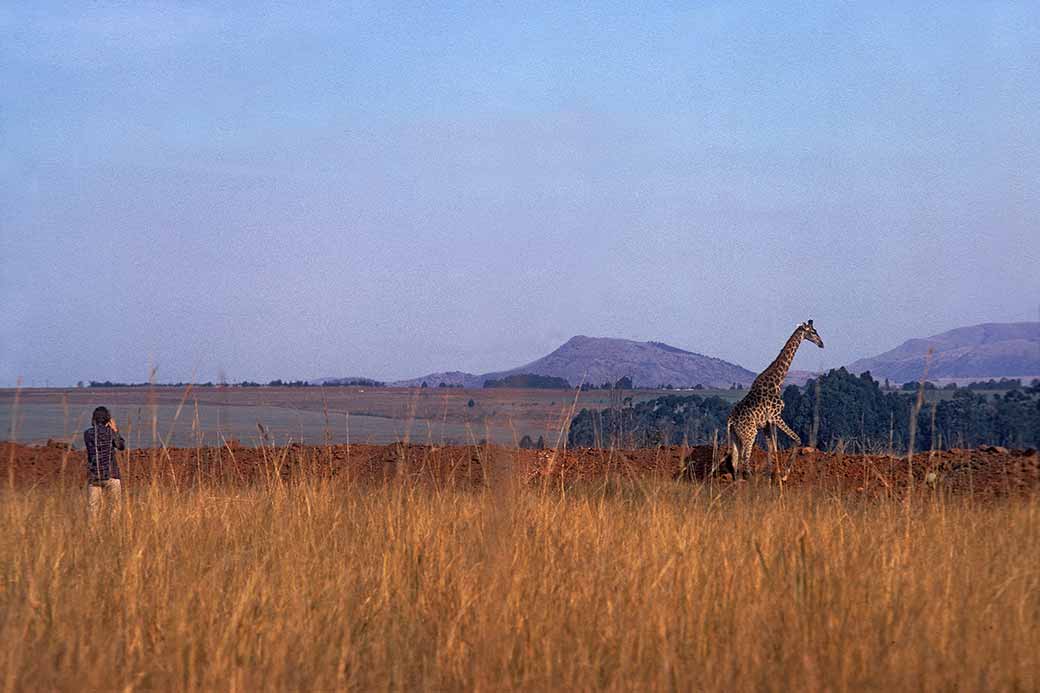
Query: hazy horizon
[(388, 191)]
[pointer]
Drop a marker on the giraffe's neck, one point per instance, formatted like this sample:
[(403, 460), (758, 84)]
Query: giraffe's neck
[(773, 376)]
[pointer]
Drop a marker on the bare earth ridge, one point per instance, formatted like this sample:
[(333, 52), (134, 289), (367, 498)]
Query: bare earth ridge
[(986, 471)]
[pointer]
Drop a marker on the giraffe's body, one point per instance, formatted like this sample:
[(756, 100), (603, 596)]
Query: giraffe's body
[(763, 403)]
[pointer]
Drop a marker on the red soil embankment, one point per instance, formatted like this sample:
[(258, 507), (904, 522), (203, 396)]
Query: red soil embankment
[(986, 471)]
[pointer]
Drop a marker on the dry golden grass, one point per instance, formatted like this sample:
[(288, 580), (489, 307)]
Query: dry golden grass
[(624, 586)]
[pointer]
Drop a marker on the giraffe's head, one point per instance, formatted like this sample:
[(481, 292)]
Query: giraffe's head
[(809, 332)]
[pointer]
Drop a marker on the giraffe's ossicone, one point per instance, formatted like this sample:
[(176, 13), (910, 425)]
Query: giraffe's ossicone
[(763, 403)]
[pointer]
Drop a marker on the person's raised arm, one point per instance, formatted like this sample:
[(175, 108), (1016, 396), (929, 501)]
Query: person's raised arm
[(117, 440)]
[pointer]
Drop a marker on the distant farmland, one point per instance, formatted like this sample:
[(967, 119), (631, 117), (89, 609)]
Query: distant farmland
[(307, 415)]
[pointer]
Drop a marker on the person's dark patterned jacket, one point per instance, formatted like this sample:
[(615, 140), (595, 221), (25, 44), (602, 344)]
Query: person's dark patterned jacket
[(101, 442)]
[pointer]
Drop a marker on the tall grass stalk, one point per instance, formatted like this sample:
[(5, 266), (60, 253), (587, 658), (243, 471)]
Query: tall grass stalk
[(13, 432), (914, 411)]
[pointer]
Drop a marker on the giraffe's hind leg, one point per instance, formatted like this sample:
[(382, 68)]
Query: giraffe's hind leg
[(770, 433), (745, 438), (749, 447)]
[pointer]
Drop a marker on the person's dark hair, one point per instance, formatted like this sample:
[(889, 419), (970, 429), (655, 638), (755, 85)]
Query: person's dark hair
[(101, 416)]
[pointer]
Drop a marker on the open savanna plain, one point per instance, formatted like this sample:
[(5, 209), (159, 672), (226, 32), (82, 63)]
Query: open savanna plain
[(211, 415), (201, 415), (489, 568)]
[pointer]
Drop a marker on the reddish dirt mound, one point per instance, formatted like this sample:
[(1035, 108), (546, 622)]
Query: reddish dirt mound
[(987, 471), (28, 465)]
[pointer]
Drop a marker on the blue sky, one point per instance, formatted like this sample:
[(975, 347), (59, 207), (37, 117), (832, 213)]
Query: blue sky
[(381, 190)]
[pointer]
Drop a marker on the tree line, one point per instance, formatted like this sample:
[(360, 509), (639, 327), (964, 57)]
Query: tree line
[(529, 380), (347, 382), (835, 409)]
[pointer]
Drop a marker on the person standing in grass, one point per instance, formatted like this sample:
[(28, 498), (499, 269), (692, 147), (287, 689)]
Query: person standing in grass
[(102, 440)]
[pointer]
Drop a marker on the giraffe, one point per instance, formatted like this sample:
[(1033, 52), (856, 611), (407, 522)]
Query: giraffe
[(763, 404)]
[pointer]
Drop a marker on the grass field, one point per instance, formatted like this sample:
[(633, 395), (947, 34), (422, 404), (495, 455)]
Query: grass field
[(323, 583)]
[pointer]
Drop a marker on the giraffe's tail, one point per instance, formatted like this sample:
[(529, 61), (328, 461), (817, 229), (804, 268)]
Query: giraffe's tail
[(725, 463)]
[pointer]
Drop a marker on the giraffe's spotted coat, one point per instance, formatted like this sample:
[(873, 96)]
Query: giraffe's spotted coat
[(763, 404)]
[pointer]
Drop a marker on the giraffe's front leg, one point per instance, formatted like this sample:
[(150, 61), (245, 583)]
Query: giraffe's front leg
[(779, 423)]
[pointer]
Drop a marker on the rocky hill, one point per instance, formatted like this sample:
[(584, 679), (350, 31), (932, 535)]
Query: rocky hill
[(598, 360), (799, 378), (989, 350), (452, 378), (356, 381)]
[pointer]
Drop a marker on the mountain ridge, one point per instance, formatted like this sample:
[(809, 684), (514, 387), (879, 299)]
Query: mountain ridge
[(597, 360), (985, 350), (982, 351)]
